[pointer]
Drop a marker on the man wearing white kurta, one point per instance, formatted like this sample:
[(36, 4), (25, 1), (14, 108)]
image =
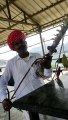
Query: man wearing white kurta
[(17, 68)]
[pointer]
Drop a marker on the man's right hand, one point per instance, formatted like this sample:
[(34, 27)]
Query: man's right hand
[(7, 104)]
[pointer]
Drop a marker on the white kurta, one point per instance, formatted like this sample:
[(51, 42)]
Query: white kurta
[(17, 67)]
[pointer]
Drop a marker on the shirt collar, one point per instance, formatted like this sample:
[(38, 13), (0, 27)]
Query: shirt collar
[(30, 55)]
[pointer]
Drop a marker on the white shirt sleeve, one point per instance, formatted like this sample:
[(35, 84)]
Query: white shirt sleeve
[(4, 83)]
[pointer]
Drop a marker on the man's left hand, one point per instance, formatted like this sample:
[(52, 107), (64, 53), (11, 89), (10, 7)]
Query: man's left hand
[(46, 62)]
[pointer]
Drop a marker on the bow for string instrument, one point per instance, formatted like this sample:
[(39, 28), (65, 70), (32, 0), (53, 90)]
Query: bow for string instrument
[(51, 49)]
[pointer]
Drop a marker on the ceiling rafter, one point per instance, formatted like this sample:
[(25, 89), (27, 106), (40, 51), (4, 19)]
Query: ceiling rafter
[(15, 21), (4, 6), (48, 7), (29, 17), (4, 11), (58, 20), (8, 9), (44, 15), (21, 20), (53, 22)]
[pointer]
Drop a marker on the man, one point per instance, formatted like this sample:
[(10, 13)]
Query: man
[(17, 68)]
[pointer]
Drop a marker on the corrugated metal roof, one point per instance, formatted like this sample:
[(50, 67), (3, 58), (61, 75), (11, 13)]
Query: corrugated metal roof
[(30, 15)]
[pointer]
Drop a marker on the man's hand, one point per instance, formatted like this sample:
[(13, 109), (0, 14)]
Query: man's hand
[(7, 104), (46, 62)]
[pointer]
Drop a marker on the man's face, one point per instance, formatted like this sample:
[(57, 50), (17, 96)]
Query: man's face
[(20, 46)]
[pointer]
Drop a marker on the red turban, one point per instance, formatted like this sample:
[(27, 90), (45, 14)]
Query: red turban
[(15, 35)]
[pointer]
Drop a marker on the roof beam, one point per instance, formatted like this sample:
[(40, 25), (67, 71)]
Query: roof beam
[(7, 4), (58, 20), (53, 22), (15, 21), (10, 2), (29, 17), (48, 7)]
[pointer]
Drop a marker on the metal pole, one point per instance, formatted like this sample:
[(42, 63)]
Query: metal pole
[(40, 30)]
